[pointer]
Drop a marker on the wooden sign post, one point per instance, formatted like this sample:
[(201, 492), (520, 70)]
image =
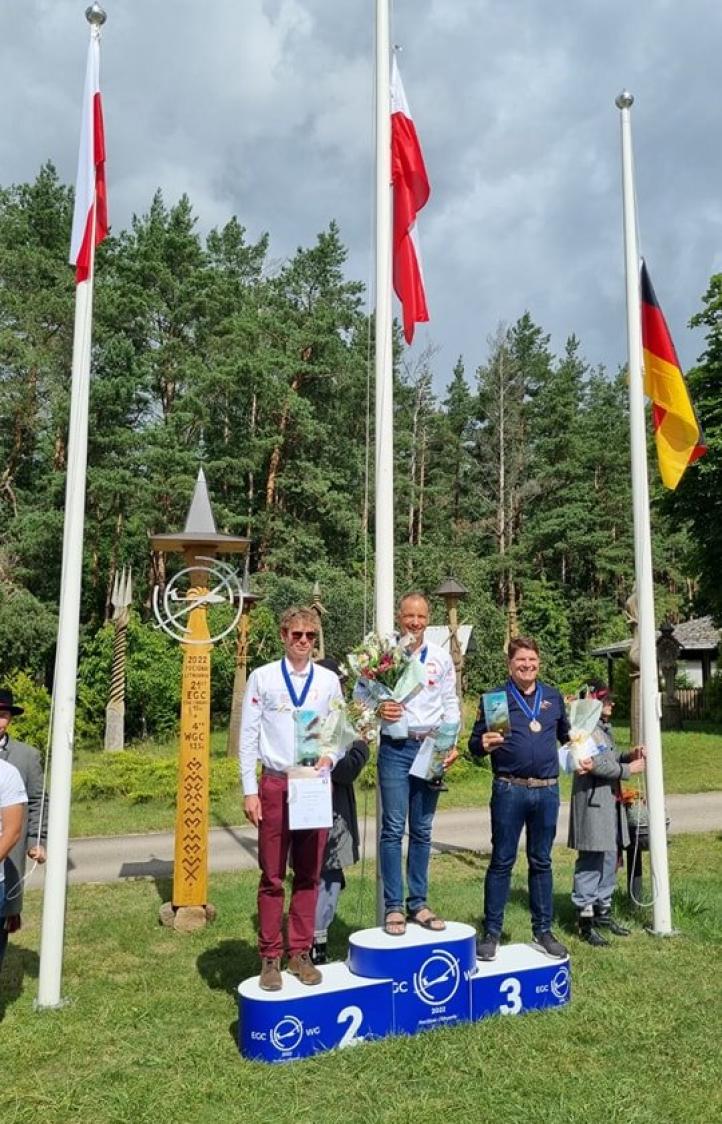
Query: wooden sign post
[(183, 614)]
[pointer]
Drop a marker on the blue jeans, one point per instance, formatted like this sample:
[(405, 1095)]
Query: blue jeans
[(512, 808), (402, 796)]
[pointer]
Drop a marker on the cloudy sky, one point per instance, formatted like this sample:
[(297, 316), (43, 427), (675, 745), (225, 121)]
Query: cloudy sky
[(263, 109)]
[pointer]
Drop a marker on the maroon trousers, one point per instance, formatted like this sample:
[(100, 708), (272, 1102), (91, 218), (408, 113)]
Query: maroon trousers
[(306, 852)]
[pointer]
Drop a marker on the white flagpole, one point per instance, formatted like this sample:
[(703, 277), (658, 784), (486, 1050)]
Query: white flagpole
[(66, 662), (648, 674), (384, 493)]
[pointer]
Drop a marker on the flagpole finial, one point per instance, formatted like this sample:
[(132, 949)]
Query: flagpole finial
[(624, 100), (95, 15)]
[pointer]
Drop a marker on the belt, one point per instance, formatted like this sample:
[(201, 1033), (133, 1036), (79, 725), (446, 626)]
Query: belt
[(528, 782), (268, 772), (412, 736)]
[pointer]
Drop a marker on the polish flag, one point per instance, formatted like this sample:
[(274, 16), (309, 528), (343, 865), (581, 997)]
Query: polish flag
[(411, 191), (91, 203)]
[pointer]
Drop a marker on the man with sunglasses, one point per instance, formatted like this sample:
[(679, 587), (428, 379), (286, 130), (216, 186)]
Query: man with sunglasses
[(267, 735)]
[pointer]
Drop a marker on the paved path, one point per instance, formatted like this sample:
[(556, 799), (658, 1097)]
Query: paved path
[(110, 858)]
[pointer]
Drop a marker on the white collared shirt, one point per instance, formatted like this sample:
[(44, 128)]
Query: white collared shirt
[(12, 791), (267, 727), (437, 701)]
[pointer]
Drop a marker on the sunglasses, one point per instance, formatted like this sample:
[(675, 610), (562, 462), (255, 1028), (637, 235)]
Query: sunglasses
[(298, 634)]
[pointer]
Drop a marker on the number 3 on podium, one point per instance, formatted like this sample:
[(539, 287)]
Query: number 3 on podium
[(511, 988)]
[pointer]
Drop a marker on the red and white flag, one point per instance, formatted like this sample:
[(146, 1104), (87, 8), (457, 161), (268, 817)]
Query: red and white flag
[(411, 191), (91, 203)]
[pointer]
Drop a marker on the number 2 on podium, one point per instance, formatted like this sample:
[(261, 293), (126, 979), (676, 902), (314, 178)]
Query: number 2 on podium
[(354, 1017)]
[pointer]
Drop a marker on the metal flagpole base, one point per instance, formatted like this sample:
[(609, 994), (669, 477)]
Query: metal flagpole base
[(64, 1001)]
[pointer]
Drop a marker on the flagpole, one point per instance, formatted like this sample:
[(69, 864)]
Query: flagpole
[(384, 484), (648, 678), (66, 662)]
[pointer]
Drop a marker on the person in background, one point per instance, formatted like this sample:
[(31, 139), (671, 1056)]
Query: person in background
[(598, 826), (342, 848), (13, 799), (524, 793), (28, 762)]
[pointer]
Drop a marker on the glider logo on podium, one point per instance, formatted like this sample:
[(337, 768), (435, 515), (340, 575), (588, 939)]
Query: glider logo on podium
[(560, 984), (437, 980), (287, 1034)]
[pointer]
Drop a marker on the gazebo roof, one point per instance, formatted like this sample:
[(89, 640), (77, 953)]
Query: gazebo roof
[(698, 634)]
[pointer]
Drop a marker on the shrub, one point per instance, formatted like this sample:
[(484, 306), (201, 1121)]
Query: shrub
[(32, 726), (137, 778)]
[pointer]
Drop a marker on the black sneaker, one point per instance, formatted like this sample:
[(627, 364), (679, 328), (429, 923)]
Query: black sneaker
[(589, 934), (486, 949), (550, 946), (606, 921), (318, 953)]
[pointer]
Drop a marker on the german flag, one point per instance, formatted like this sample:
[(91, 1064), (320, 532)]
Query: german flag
[(677, 431)]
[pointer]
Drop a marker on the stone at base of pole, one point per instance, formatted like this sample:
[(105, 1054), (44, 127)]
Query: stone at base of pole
[(186, 918)]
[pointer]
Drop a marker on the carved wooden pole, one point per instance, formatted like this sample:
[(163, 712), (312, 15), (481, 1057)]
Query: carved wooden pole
[(115, 710)]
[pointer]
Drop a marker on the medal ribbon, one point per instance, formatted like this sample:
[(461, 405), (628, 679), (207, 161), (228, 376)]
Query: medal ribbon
[(532, 712), (295, 699)]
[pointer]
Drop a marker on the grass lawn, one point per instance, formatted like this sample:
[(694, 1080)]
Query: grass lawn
[(692, 763), (149, 1033)]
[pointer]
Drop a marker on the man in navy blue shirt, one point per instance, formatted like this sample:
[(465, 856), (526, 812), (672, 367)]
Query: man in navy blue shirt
[(525, 793)]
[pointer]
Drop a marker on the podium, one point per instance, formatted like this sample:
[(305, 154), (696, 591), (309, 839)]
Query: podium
[(396, 985)]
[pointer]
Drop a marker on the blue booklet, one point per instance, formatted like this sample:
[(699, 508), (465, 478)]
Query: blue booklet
[(496, 712)]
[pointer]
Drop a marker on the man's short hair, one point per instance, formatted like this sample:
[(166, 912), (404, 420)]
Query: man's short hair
[(518, 642), (412, 593), (300, 613)]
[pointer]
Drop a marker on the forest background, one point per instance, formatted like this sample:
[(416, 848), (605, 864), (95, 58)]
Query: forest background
[(516, 479)]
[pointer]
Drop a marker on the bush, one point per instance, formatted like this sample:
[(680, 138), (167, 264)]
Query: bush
[(28, 628), (137, 778), (32, 726), (153, 676)]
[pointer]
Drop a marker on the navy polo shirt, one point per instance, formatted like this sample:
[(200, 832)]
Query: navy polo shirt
[(525, 754)]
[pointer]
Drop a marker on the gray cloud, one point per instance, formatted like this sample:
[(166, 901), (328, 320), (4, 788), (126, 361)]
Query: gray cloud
[(265, 111)]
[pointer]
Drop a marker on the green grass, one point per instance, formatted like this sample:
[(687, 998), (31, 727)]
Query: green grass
[(692, 763), (149, 1033)]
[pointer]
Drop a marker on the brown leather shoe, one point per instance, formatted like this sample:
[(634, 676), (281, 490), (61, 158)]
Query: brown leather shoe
[(303, 969), (270, 978)]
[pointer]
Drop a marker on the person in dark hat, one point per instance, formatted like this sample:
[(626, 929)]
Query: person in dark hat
[(343, 846), (598, 825), (28, 763)]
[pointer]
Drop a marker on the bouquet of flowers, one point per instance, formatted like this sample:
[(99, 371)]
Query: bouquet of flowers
[(583, 717), (385, 672), (317, 737)]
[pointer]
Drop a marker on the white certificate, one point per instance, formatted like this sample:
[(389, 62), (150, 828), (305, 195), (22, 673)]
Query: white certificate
[(309, 802), (422, 762)]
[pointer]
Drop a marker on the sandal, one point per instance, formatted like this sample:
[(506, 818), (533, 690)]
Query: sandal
[(427, 919), (395, 923)]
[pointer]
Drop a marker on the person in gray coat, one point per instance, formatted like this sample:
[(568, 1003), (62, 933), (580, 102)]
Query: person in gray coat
[(28, 763), (598, 827)]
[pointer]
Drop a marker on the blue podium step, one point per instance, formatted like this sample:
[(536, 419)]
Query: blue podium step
[(431, 972), (396, 985), (298, 1021), (520, 979)]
